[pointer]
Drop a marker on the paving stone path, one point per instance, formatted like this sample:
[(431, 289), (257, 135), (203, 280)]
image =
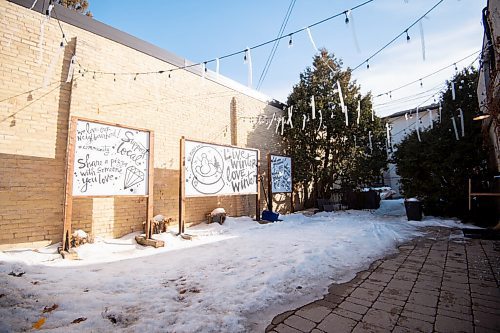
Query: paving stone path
[(438, 283)]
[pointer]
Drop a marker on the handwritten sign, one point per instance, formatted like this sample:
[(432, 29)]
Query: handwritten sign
[(110, 160), (281, 174), (219, 170)]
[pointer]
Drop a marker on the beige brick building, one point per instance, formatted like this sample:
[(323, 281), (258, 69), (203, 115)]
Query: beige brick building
[(36, 105)]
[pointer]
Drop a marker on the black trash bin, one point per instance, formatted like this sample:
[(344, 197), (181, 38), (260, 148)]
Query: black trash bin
[(413, 210)]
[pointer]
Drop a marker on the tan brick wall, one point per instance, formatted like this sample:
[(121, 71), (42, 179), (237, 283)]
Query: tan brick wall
[(34, 128)]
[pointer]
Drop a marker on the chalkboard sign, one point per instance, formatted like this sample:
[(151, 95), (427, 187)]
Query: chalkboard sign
[(110, 160), (281, 174), (219, 170)]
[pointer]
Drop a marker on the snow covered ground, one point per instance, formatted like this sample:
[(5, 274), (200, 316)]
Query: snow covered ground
[(213, 283)]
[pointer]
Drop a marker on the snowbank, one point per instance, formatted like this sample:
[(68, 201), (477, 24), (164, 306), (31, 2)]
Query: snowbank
[(212, 283)]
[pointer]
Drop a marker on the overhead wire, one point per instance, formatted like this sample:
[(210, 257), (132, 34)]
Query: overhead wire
[(275, 45)]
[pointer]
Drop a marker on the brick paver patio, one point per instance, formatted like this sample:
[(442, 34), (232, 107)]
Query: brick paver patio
[(438, 283)]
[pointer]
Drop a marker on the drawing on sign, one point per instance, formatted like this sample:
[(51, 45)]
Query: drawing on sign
[(219, 170), (132, 176), (281, 174), (110, 160), (207, 165)]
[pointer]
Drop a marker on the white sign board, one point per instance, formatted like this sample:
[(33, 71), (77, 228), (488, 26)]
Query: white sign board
[(219, 170), (110, 160), (281, 174)]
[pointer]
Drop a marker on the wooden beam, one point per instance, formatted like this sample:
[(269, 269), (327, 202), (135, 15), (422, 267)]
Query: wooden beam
[(182, 185), (68, 193), (150, 202)]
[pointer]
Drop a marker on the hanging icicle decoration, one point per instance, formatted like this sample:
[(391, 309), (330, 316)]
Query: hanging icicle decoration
[(311, 39), (417, 125), (320, 120), (461, 115), (313, 108), (406, 118), (248, 59), (217, 67), (42, 33), (350, 21), (431, 119), (342, 105), (71, 69), (33, 5), (455, 128), (271, 121), (439, 110), (290, 113), (388, 135), (373, 115), (422, 39), (452, 90), (52, 65), (282, 125), (304, 119), (370, 141), (355, 141), (359, 112), (203, 72)]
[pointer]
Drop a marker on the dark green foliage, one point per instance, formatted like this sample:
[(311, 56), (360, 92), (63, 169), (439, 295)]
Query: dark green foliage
[(329, 156), (80, 6), (437, 169)]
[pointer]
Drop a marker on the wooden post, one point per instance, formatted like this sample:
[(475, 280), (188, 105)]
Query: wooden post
[(469, 197), (68, 194), (257, 199), (151, 167), (182, 186), (269, 184)]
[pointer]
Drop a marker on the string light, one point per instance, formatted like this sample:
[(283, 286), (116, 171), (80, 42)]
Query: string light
[(290, 41), (421, 83), (367, 64), (407, 36), (346, 17)]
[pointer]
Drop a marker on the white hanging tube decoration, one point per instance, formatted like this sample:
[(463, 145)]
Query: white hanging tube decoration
[(217, 67), (373, 115), (34, 3), (452, 90), (278, 124), (320, 120), (440, 108), (422, 39), (311, 39), (359, 112), (353, 30), (271, 121), (304, 121), (455, 127), (417, 126), (462, 121), (203, 72), (313, 108), (431, 120), (388, 135), (71, 69), (370, 141), (42, 33), (52, 65), (249, 63), (290, 113), (282, 125)]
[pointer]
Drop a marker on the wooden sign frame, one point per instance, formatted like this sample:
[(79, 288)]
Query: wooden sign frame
[(182, 181), (270, 193), (70, 162)]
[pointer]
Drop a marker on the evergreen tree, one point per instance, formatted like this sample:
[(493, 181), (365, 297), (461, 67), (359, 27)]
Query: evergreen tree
[(332, 154), (437, 169), (80, 6)]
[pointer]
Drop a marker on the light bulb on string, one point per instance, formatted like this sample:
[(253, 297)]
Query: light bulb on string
[(456, 68), (290, 41), (205, 66), (245, 57), (407, 36), (421, 83), (367, 64), (390, 94), (114, 77), (135, 77), (346, 17), (93, 76)]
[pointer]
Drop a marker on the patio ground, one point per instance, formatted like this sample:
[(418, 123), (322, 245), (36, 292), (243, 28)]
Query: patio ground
[(438, 283)]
